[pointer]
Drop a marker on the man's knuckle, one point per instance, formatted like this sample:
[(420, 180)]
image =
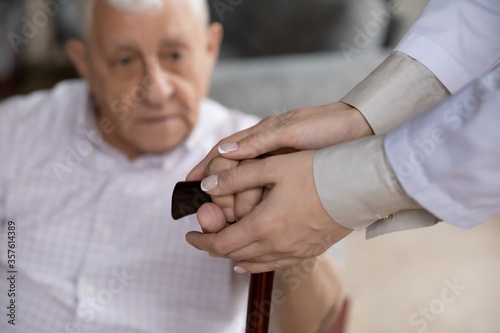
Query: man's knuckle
[(209, 169), (218, 164), (244, 207), (219, 249), (249, 161), (223, 201), (212, 166), (225, 177)]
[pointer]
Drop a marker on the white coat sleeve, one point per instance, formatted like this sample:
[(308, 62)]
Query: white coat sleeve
[(448, 159), (457, 40)]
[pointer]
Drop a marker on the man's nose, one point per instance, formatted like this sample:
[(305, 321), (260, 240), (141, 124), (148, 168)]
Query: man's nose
[(159, 87)]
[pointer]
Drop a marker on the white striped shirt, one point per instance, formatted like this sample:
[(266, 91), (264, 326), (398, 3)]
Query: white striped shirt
[(96, 248)]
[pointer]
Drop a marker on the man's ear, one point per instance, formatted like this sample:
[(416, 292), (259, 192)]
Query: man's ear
[(78, 56), (215, 36)]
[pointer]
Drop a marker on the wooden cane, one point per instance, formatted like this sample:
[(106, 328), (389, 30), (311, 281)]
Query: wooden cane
[(187, 198)]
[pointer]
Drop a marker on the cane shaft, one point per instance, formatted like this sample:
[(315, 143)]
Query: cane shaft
[(259, 302), (187, 198)]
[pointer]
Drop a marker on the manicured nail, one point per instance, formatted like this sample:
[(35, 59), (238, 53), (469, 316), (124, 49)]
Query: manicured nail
[(228, 148), (240, 270), (209, 183)]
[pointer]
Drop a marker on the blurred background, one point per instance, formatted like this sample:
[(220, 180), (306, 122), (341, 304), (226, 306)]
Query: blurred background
[(283, 54), (33, 33)]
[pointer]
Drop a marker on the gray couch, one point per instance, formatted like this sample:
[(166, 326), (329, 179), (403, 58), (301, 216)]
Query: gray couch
[(266, 86)]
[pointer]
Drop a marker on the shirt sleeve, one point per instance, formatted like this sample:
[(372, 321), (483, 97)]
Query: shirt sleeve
[(4, 129), (448, 158), (457, 40)]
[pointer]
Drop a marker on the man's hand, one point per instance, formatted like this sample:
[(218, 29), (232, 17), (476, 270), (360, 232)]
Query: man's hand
[(226, 208), (286, 227), (302, 129)]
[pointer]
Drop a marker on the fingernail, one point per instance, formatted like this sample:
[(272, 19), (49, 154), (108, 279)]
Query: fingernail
[(209, 183), (240, 270), (227, 148)]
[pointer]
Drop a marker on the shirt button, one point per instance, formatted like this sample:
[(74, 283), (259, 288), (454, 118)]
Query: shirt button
[(167, 166), (89, 290), (105, 232)]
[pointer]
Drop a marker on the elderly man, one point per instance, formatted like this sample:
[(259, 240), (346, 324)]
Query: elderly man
[(86, 176)]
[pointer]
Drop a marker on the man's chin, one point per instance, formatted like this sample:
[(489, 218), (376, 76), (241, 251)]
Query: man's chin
[(158, 147)]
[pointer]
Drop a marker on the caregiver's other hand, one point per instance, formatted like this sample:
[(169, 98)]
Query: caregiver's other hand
[(310, 128), (286, 227)]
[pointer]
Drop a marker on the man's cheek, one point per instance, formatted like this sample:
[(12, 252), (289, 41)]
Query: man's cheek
[(120, 110), (121, 104)]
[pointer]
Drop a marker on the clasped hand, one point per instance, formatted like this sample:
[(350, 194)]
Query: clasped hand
[(281, 220)]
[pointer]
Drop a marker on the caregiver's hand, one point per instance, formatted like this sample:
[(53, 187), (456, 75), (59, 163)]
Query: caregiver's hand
[(287, 226), (301, 129)]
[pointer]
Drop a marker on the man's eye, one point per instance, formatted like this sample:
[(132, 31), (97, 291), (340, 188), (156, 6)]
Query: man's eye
[(124, 61), (175, 56)]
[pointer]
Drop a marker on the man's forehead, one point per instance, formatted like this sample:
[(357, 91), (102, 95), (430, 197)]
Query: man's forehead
[(163, 33)]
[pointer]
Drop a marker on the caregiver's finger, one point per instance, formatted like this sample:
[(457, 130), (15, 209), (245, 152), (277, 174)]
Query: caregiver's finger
[(199, 171), (260, 173)]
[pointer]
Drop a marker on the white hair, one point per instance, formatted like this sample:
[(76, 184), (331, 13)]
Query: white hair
[(136, 6)]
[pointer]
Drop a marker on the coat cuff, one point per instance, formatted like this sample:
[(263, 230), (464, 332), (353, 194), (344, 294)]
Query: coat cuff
[(356, 183), (397, 90)]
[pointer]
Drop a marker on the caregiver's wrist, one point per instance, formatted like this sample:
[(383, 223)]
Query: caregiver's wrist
[(357, 125)]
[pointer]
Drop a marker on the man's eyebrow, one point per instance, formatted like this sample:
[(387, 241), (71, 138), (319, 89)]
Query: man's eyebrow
[(166, 42), (122, 47), (177, 41)]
